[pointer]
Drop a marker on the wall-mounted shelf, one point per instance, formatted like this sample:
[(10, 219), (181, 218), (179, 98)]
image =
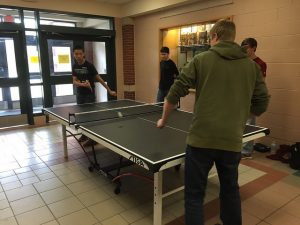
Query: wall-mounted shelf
[(186, 41), (187, 52), (195, 48)]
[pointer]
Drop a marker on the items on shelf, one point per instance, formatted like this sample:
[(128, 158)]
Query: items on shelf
[(202, 37), (195, 34)]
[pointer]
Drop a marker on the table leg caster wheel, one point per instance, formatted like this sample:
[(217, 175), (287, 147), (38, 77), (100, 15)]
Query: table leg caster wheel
[(117, 190), (91, 168)]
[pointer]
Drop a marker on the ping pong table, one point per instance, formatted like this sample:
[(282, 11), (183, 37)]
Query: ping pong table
[(128, 128)]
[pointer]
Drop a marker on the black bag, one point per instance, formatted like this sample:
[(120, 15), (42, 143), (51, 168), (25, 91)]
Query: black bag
[(295, 156), (261, 147)]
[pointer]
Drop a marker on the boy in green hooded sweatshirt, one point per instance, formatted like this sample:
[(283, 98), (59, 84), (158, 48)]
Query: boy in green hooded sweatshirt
[(229, 86)]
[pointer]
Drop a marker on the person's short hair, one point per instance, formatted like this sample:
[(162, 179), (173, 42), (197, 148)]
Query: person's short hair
[(249, 41), (225, 30), (165, 50), (78, 47)]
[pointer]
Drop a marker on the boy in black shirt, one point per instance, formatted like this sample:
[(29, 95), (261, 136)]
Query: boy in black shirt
[(168, 73), (84, 75)]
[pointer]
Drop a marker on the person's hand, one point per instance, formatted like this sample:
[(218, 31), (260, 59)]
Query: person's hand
[(160, 123), (112, 93), (87, 84), (83, 84)]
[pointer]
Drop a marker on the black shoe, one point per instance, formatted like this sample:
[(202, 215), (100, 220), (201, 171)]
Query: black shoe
[(90, 143), (83, 138)]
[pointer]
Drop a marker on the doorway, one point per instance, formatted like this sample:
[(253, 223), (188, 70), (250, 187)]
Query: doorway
[(13, 84), (58, 61)]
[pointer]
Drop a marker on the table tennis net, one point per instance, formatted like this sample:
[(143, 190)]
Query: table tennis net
[(106, 114)]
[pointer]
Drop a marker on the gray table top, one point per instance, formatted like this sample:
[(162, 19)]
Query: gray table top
[(135, 130)]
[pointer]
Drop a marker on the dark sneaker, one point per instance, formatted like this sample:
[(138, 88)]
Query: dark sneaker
[(83, 138), (90, 143), (246, 156)]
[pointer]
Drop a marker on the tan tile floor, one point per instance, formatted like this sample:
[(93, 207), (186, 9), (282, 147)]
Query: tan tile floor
[(38, 186)]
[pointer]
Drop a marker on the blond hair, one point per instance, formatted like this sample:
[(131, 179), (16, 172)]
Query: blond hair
[(224, 29)]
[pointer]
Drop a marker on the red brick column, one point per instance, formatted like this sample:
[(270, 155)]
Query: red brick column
[(128, 58), (129, 95)]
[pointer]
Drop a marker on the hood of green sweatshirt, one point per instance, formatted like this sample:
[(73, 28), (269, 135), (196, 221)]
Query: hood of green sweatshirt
[(228, 50)]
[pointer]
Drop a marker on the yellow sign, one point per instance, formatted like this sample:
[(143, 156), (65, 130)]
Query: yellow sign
[(34, 59), (63, 59)]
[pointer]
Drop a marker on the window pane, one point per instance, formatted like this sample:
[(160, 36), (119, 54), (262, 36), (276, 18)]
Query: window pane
[(8, 67), (55, 23), (96, 23), (95, 53), (29, 23), (36, 91), (57, 19), (9, 101), (101, 92), (29, 19), (9, 15), (63, 94), (59, 52), (37, 98), (64, 89), (33, 57), (62, 59), (15, 96)]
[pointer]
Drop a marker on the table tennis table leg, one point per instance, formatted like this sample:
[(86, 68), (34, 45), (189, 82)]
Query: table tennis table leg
[(64, 135), (157, 210)]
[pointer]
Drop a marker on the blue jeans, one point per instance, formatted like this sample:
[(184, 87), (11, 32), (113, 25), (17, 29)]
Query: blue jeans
[(161, 94), (198, 162), (248, 146)]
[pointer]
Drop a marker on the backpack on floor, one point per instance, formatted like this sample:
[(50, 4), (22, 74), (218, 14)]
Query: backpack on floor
[(261, 147), (295, 156)]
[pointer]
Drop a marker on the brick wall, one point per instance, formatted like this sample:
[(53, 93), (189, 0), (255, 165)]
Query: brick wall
[(128, 54), (129, 95), (128, 59)]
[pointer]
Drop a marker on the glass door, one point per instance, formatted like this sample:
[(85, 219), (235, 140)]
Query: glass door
[(13, 86), (35, 74), (9, 96), (95, 53), (60, 71), (59, 62)]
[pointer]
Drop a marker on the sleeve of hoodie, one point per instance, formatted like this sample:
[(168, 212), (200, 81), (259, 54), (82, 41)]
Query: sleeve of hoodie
[(260, 97), (185, 81)]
